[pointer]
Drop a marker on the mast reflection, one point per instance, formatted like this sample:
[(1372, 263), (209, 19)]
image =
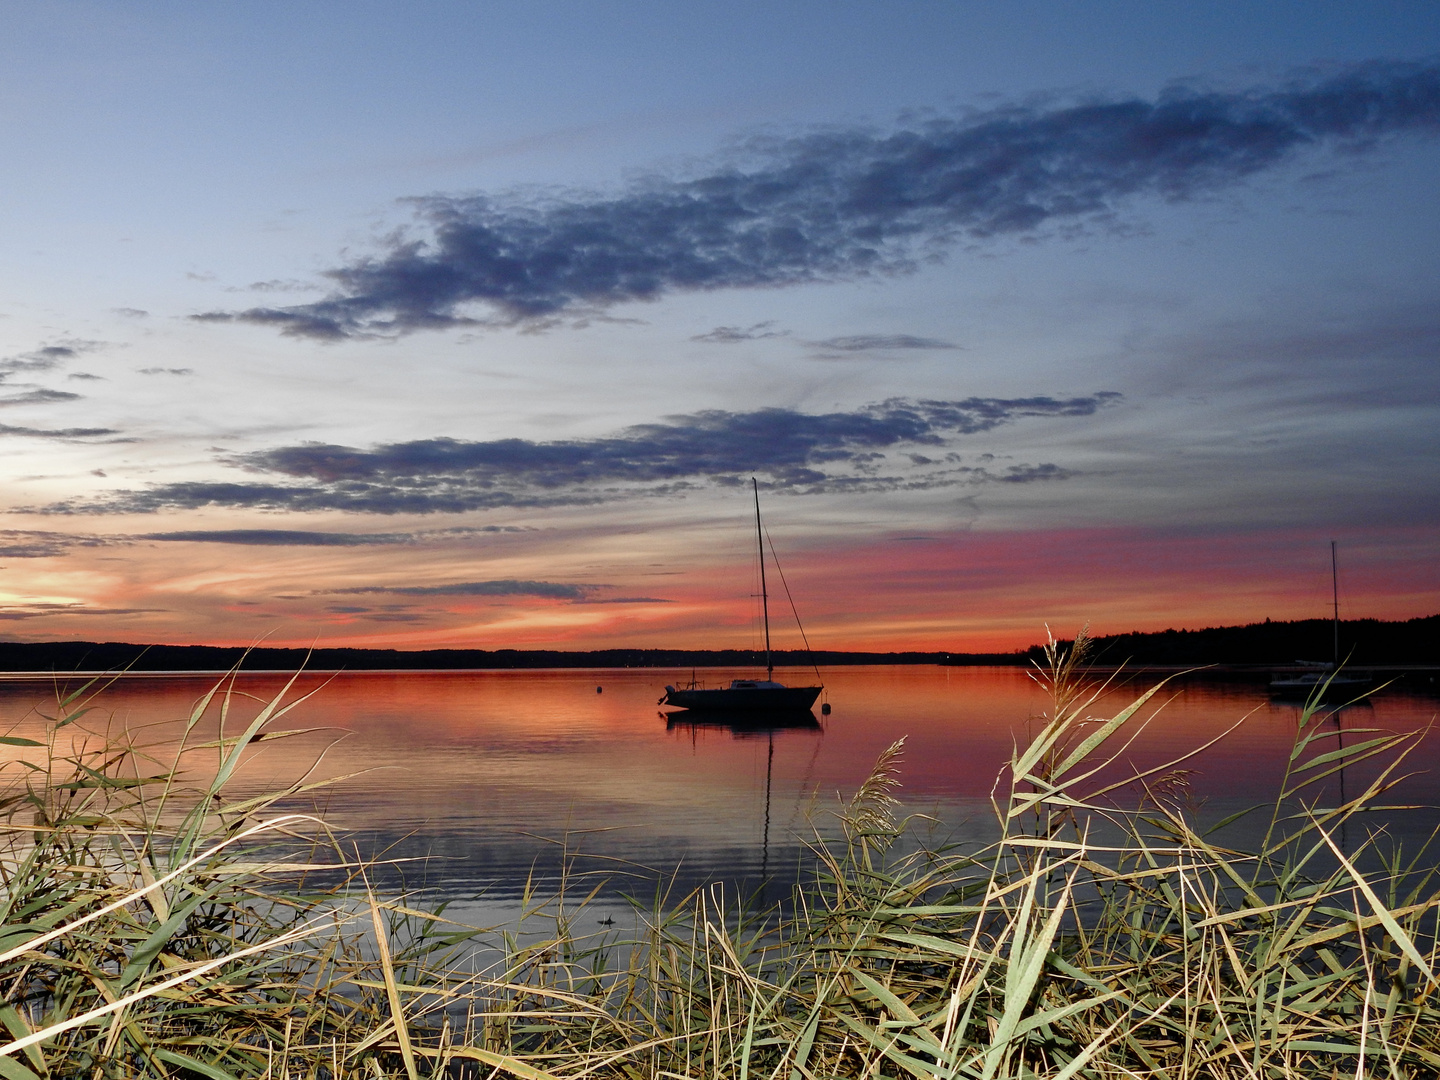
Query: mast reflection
[(744, 725)]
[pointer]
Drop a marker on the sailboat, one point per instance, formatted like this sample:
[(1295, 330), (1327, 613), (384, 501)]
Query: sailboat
[(745, 698), (1324, 678)]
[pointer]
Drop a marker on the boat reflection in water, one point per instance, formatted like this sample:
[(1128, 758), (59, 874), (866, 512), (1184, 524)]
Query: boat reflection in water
[(743, 723)]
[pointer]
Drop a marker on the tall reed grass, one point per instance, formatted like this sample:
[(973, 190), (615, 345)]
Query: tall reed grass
[(159, 927)]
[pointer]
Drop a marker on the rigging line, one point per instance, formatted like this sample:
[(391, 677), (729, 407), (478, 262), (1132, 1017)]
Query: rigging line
[(793, 610)]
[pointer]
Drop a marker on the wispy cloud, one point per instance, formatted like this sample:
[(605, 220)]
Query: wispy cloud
[(624, 600), (21, 612), (280, 537), (38, 396), (46, 357), (465, 531), (854, 346), (165, 371), (875, 342), (731, 335), (57, 433), (841, 204), (506, 587), (43, 358), (275, 285), (39, 544), (802, 452), (1027, 474)]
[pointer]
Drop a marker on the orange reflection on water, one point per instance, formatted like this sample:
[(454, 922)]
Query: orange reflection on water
[(475, 765)]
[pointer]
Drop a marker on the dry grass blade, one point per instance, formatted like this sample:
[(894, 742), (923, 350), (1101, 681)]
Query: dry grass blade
[(1096, 937), (392, 989)]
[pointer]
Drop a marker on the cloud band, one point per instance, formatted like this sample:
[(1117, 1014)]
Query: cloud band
[(802, 452), (841, 204)]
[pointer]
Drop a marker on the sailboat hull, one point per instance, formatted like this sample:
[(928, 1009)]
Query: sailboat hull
[(1330, 688), (746, 701)]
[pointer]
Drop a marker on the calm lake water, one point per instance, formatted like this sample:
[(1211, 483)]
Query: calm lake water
[(493, 773)]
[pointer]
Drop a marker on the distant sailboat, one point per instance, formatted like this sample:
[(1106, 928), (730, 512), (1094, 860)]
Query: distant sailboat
[(746, 698), (1325, 678)]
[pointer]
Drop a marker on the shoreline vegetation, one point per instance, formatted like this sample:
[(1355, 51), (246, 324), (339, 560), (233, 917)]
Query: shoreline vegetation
[(152, 924), (1412, 643)]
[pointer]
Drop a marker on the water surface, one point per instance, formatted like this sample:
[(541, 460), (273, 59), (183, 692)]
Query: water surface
[(491, 774)]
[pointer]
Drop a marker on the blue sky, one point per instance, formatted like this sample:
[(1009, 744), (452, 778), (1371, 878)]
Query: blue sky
[(305, 306)]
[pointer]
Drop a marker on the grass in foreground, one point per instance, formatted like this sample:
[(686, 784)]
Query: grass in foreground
[(155, 928)]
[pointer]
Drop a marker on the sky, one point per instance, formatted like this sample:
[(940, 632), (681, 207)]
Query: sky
[(467, 325)]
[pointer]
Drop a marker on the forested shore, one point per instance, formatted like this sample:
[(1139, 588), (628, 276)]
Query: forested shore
[(1363, 642)]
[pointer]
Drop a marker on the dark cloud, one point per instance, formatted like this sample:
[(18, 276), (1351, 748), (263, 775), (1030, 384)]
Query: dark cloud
[(1025, 474), (46, 357), (42, 359), (85, 376), (166, 371), (281, 537), (296, 321), (841, 204), (508, 587), (730, 335), (625, 600), (38, 544), (473, 530), (38, 396), (276, 285), (801, 452), (19, 612), (57, 433), (855, 343)]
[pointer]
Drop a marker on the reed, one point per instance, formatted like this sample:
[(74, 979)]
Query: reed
[(154, 926)]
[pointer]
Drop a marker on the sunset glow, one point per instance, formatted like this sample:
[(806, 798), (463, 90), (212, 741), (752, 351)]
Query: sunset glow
[(471, 330)]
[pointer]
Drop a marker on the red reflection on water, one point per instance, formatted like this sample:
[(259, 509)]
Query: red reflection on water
[(493, 755)]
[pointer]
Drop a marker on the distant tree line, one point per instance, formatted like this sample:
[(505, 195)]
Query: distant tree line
[(1362, 642), (63, 656)]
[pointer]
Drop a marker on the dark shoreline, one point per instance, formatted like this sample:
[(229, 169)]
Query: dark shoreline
[(1413, 644), (72, 656)]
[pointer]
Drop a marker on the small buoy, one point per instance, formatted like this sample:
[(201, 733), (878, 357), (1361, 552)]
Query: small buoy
[(599, 689), (825, 709)]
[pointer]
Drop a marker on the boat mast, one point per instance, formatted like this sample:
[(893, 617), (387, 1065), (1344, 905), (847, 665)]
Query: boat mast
[(1335, 599), (764, 596)]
